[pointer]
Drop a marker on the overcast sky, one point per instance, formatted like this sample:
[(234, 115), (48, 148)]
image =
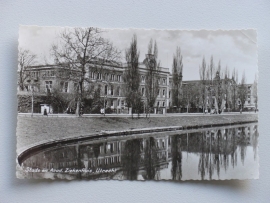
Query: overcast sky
[(236, 48)]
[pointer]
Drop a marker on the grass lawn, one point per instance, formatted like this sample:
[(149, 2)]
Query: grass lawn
[(31, 130)]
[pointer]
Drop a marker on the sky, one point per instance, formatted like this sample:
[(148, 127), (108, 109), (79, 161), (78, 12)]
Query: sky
[(234, 48)]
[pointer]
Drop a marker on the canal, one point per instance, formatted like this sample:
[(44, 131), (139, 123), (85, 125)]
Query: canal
[(228, 152)]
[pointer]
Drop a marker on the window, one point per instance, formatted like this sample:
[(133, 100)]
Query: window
[(159, 81), (111, 90), (111, 102), (158, 92), (169, 104), (118, 102), (163, 93), (98, 76), (119, 78), (106, 90), (105, 76), (118, 91), (157, 104), (64, 86), (76, 86), (112, 77), (143, 79), (112, 147), (122, 102), (48, 86), (92, 75), (164, 81), (143, 91), (163, 104), (169, 94)]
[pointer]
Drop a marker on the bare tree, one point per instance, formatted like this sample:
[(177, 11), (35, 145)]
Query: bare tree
[(131, 76), (234, 87), (177, 74), (211, 70), (210, 75), (204, 78), (25, 59), (255, 91), (58, 100), (152, 75), (226, 88), (80, 51), (242, 91), (219, 67)]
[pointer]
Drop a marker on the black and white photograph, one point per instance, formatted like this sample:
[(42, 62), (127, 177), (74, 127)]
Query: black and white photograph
[(137, 104)]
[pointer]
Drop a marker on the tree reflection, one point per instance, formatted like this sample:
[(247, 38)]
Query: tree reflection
[(150, 159), (234, 145), (201, 167), (243, 141), (131, 158), (255, 136), (217, 149), (176, 153)]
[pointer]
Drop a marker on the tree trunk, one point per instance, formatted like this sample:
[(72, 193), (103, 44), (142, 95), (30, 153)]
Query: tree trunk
[(78, 108)]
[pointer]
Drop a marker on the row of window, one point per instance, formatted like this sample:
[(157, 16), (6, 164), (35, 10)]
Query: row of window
[(34, 74), (159, 81), (64, 86), (93, 75), (49, 73), (110, 90), (163, 92), (160, 104), (106, 76)]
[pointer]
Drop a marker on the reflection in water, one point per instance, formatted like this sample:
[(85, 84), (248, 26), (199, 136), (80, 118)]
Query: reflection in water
[(151, 159), (131, 158), (176, 153), (206, 154)]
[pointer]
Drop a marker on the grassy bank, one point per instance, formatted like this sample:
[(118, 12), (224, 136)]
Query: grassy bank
[(33, 130)]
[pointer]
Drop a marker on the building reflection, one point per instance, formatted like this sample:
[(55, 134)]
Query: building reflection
[(144, 158)]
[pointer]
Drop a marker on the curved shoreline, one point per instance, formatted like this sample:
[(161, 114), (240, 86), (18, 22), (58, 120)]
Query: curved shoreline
[(54, 143)]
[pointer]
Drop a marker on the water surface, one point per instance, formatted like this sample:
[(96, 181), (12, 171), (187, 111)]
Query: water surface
[(217, 153)]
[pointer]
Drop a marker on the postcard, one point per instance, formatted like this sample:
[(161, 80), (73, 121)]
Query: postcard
[(137, 104)]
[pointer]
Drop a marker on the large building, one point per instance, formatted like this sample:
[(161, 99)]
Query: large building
[(109, 78)]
